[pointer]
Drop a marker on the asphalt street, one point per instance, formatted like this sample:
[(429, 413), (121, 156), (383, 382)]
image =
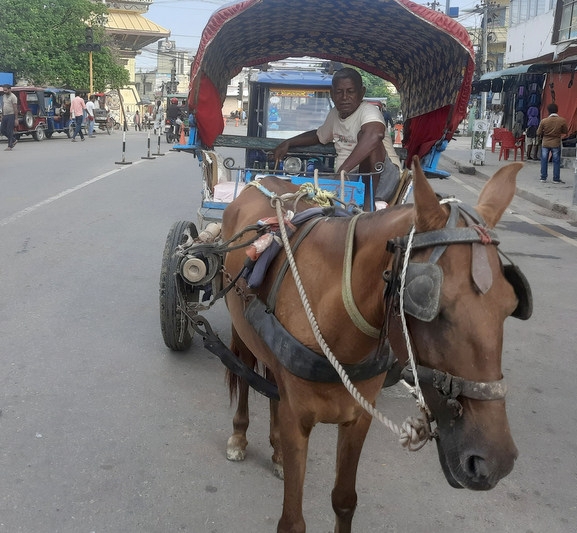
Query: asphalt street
[(104, 430)]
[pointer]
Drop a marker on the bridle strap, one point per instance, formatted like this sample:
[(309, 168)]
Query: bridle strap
[(446, 236), (452, 386)]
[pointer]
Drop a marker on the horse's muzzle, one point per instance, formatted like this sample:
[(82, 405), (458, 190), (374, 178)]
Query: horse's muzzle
[(473, 468)]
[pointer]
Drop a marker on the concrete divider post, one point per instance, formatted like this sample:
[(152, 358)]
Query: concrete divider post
[(148, 156), (124, 161)]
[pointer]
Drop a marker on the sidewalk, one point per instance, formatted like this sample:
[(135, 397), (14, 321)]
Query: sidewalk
[(558, 198)]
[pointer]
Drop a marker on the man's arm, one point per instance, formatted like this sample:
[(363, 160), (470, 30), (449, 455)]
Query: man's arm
[(308, 138), (369, 142)]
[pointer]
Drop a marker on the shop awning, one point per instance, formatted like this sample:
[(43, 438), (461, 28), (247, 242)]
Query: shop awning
[(514, 71)]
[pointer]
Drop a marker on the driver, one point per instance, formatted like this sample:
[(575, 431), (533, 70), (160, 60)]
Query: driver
[(358, 131), (173, 110)]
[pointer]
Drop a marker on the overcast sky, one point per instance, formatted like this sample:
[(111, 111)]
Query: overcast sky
[(186, 19)]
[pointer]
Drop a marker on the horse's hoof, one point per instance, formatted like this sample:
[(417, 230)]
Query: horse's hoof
[(234, 450), (235, 454), (278, 470)]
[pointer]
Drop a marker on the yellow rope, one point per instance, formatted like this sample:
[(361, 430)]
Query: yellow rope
[(319, 196)]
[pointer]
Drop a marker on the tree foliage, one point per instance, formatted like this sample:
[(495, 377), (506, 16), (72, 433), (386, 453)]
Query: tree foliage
[(379, 88), (39, 43)]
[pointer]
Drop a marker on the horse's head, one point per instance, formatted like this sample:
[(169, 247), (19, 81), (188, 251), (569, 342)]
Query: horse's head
[(457, 296)]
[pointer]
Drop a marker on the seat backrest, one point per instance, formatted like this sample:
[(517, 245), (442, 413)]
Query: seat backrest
[(497, 132), (507, 139)]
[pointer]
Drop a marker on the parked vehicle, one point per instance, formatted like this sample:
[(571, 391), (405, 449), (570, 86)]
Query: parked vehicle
[(31, 112), (57, 109)]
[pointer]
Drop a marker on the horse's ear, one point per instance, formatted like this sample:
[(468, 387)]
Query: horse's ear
[(429, 214), (498, 193)]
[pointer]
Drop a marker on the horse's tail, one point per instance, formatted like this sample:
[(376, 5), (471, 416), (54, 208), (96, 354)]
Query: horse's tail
[(238, 348)]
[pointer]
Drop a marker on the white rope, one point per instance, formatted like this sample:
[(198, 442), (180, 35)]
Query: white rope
[(414, 432), (416, 388)]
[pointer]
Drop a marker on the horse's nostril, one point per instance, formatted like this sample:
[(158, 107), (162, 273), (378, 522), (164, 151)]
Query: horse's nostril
[(477, 467)]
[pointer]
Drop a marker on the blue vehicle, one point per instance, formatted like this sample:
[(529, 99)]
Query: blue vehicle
[(57, 111)]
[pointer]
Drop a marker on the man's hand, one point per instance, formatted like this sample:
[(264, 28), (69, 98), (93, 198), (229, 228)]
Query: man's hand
[(281, 150)]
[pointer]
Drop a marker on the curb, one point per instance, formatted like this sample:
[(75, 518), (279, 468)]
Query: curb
[(570, 212)]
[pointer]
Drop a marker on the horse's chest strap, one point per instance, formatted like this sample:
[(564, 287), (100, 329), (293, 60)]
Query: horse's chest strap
[(300, 360)]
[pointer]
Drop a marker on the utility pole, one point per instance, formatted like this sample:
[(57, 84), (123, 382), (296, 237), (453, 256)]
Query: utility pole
[(434, 5), (484, 9)]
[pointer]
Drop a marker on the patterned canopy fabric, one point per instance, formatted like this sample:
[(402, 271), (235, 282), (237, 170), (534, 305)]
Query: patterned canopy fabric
[(425, 54)]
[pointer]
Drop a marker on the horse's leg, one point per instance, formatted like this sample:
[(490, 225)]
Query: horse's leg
[(274, 435), (344, 496), (237, 443), (294, 441)]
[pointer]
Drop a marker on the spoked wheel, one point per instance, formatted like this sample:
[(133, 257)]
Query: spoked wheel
[(175, 326)]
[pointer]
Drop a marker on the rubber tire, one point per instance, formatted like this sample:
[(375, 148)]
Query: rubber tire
[(170, 316), (29, 120), (39, 134)]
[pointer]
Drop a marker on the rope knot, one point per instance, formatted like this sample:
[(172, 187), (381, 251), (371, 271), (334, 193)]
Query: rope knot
[(414, 433), (483, 234)]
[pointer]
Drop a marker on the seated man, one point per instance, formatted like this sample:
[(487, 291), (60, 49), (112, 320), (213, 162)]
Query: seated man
[(358, 131)]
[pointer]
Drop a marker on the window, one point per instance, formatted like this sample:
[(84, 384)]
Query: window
[(565, 27)]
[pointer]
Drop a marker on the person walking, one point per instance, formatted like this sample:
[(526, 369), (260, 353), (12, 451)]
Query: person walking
[(77, 108), (552, 129), (158, 117), (9, 116), (137, 121), (90, 115)]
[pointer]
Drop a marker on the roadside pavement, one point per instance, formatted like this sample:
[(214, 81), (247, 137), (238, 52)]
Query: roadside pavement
[(557, 197)]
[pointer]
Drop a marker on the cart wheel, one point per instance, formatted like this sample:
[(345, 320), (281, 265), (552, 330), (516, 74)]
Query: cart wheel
[(39, 133), (170, 315)]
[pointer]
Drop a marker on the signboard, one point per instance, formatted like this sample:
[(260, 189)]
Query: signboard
[(6, 77)]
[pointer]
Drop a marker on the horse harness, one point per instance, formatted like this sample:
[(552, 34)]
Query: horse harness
[(422, 290)]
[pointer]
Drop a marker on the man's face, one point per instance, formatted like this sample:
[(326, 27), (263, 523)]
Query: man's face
[(346, 96)]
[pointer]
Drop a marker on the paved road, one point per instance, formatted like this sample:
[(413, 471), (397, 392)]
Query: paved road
[(102, 429)]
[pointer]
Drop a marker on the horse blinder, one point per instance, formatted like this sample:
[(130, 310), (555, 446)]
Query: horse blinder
[(422, 296), (520, 284)]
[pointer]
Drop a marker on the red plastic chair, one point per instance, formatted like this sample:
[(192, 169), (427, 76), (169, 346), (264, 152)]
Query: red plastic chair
[(508, 143), (496, 138)]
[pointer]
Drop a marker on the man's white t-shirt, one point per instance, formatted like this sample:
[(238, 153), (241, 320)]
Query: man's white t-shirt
[(90, 108), (344, 132)]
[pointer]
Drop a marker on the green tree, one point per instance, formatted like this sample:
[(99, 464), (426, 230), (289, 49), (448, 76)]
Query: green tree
[(379, 88), (39, 42)]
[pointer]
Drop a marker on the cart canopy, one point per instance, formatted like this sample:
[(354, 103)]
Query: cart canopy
[(425, 54)]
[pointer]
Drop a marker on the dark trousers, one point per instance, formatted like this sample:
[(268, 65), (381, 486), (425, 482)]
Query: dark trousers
[(78, 128), (8, 128)]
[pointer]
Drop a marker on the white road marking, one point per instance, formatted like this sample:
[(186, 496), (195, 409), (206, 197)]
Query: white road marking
[(35, 207)]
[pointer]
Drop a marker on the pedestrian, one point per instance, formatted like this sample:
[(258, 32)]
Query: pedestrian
[(387, 117), (158, 116), (137, 121), (551, 130), (77, 108), (90, 115), (9, 114)]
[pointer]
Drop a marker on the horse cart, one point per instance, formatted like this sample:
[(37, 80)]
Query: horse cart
[(328, 300)]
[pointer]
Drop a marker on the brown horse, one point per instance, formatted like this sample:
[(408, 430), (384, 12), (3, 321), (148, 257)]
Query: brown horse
[(462, 339)]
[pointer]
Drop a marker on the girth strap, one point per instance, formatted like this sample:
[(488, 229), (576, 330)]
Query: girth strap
[(302, 361)]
